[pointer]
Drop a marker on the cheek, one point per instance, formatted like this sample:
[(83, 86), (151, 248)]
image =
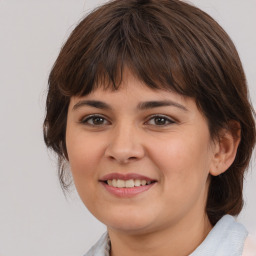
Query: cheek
[(183, 164), (84, 154), (182, 159)]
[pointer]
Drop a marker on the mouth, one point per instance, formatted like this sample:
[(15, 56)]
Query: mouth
[(126, 185), (119, 183)]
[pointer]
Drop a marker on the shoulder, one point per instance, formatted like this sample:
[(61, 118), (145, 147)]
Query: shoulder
[(226, 238), (101, 248), (250, 246)]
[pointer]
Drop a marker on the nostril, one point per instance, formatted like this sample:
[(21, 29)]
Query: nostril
[(124, 152), (122, 159)]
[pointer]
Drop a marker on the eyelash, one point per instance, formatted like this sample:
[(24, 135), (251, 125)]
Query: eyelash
[(163, 118), (92, 117)]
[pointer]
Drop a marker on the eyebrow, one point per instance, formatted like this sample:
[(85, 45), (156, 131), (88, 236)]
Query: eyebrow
[(156, 104), (92, 103), (141, 106)]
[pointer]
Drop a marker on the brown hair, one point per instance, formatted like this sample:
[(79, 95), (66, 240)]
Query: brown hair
[(167, 44)]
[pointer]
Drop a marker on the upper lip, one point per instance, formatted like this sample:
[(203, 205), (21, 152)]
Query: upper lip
[(128, 176)]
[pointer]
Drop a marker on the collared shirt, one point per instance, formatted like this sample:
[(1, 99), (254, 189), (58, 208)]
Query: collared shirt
[(225, 239)]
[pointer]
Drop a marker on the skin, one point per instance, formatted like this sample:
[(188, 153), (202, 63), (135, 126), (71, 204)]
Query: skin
[(177, 152)]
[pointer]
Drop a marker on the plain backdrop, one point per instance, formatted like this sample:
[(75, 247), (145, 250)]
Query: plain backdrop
[(35, 217)]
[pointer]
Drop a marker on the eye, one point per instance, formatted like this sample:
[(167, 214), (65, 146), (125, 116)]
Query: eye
[(95, 120), (159, 120)]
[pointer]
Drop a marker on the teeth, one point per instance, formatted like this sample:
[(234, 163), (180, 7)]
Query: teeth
[(127, 183), (137, 183), (114, 183), (120, 183)]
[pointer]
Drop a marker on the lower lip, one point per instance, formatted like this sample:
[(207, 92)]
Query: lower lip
[(127, 192)]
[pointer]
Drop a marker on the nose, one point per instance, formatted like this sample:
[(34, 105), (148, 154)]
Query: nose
[(125, 145)]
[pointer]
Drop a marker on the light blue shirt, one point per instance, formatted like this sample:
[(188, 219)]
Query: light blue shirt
[(225, 239)]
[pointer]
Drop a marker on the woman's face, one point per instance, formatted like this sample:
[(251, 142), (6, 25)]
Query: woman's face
[(119, 140)]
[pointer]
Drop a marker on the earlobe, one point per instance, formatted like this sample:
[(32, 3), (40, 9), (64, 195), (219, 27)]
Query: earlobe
[(226, 148)]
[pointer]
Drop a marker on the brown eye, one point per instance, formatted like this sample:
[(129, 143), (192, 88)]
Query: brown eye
[(95, 120), (98, 120), (160, 121)]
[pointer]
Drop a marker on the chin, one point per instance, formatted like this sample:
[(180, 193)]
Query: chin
[(130, 228), (128, 221)]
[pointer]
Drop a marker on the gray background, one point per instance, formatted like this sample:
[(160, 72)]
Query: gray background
[(35, 217)]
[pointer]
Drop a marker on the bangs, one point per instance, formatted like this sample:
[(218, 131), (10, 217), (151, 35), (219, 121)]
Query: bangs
[(98, 53)]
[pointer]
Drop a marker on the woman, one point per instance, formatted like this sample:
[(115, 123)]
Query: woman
[(148, 104)]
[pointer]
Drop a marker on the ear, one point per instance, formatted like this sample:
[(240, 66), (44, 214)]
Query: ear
[(225, 148)]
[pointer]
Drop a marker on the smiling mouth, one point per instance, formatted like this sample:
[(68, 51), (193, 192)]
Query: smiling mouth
[(131, 183)]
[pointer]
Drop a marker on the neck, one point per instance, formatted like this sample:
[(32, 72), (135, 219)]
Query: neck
[(177, 240)]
